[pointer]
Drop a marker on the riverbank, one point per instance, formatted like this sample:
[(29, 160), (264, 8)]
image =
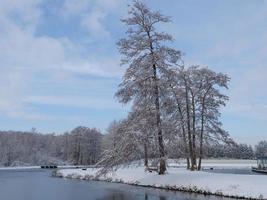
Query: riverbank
[(41, 167), (180, 179)]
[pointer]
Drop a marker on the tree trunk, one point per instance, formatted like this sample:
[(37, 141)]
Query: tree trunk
[(77, 150), (194, 157), (188, 124), (162, 166), (201, 145), (201, 133), (199, 162), (146, 156), (202, 127), (79, 153), (183, 130)]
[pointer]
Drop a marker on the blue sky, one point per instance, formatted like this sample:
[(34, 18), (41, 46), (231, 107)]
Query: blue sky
[(59, 64)]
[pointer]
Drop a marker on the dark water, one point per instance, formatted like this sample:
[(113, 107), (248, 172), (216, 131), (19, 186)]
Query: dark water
[(232, 171), (39, 185)]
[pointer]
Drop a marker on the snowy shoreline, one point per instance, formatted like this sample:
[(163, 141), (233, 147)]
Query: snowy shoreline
[(180, 179), (38, 167), (20, 168)]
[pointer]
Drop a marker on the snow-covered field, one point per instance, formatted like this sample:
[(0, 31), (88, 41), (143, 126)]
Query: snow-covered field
[(233, 185)]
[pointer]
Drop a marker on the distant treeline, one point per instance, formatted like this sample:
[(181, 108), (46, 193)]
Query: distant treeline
[(229, 151), (81, 146), (84, 146)]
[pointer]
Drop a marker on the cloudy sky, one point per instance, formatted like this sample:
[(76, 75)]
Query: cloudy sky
[(59, 64)]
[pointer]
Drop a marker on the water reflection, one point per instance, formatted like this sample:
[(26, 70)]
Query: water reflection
[(154, 194), (162, 198), (232, 171), (123, 196)]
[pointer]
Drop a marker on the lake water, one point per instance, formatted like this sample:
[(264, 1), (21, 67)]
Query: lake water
[(232, 171), (39, 185)]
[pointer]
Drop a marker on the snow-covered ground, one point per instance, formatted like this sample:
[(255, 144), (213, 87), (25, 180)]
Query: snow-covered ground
[(234, 185)]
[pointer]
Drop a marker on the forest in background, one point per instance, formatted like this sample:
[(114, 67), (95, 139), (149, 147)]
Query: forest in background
[(81, 146), (84, 146)]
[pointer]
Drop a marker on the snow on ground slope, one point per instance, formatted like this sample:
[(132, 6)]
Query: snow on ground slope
[(235, 185)]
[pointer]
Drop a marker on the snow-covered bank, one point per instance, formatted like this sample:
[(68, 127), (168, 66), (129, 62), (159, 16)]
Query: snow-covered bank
[(231, 185), (39, 167), (20, 168)]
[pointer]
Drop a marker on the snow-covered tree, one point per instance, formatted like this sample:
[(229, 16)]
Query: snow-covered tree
[(235, 151), (86, 145), (147, 59), (194, 100), (123, 146), (32, 148), (261, 149)]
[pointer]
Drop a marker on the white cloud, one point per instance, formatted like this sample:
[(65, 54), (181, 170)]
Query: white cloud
[(78, 7), (74, 7), (24, 54), (105, 68), (23, 50), (74, 101), (93, 13), (21, 53), (248, 95), (24, 12), (93, 22), (236, 46), (11, 86)]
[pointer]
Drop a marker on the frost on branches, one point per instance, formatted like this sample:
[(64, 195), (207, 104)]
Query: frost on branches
[(175, 109)]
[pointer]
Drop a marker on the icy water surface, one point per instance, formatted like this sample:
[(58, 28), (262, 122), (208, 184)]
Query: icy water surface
[(39, 185), (232, 171)]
